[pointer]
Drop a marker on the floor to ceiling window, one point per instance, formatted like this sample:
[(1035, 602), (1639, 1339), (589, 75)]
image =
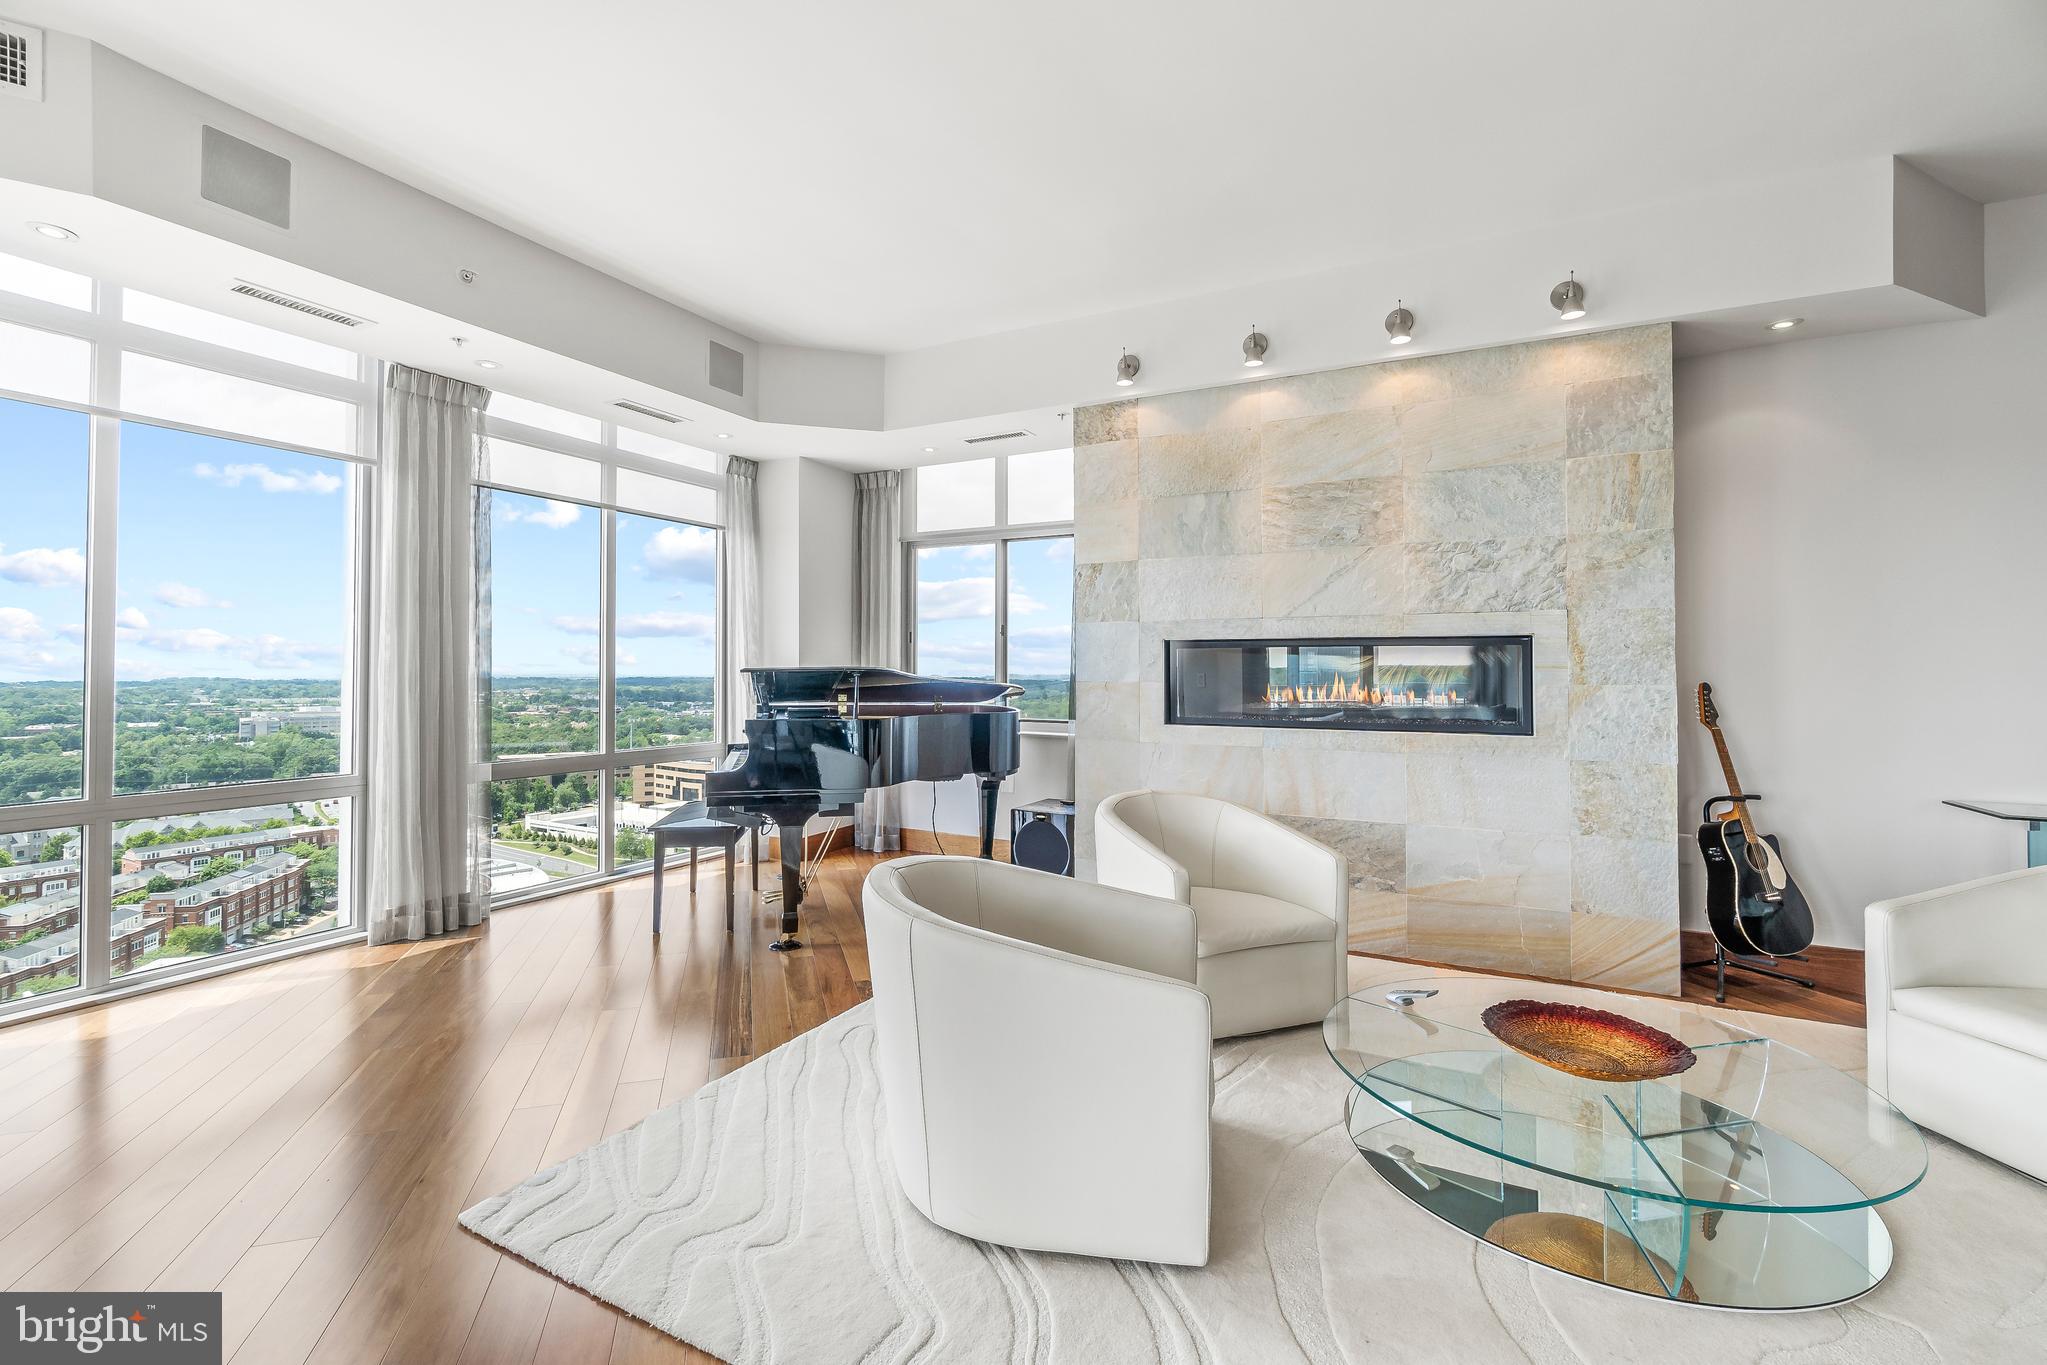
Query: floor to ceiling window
[(604, 590), (991, 575), (181, 567)]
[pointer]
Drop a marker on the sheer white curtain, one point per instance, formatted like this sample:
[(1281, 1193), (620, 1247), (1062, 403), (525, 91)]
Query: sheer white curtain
[(742, 591), (878, 627), (428, 777)]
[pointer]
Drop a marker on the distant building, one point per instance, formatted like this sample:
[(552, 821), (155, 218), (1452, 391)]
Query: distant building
[(673, 782), (268, 888), (134, 933), (26, 881), (314, 720), (254, 843)]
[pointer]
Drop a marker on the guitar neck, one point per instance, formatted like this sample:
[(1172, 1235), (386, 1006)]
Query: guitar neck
[(1748, 827)]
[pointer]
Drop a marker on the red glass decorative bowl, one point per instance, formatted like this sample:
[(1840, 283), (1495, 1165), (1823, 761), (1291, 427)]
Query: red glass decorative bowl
[(1586, 1042)]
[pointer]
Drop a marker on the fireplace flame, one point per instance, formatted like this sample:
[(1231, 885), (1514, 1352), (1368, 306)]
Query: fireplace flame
[(1342, 693)]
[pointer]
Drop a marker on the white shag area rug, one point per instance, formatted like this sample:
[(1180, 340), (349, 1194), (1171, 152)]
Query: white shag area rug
[(761, 1221)]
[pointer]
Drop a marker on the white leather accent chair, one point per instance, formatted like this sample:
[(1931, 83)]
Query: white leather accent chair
[(1271, 906), (1044, 1058), (1957, 998)]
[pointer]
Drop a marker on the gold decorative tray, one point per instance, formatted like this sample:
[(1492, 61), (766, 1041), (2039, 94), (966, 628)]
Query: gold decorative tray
[(1589, 1250), (1586, 1042)]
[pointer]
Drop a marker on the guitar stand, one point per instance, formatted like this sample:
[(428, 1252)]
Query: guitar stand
[(1722, 959)]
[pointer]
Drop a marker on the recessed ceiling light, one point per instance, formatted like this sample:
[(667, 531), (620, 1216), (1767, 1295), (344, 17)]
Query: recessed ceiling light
[(1568, 299), (52, 231), (486, 364), (724, 435), (1254, 348), (1785, 324), (930, 450)]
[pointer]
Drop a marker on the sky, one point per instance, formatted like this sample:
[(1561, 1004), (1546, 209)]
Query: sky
[(544, 604), (956, 609), (232, 557)]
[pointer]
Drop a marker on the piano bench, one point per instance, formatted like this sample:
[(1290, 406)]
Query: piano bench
[(696, 834)]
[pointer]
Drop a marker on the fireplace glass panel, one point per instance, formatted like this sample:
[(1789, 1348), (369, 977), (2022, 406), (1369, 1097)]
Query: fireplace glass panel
[(1471, 685)]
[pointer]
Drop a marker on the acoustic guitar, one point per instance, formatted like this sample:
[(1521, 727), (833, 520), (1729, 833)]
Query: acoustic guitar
[(1752, 902)]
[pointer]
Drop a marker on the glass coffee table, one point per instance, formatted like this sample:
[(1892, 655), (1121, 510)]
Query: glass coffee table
[(1750, 1180)]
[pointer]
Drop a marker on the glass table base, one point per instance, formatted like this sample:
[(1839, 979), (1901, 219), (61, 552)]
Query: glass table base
[(1749, 1259)]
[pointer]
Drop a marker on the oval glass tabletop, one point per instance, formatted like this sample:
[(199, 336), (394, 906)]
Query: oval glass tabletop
[(1753, 1125)]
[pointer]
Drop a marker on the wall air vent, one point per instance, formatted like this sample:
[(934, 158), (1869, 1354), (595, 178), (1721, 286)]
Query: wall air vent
[(21, 61), (643, 410), (727, 369), (311, 310), (995, 436)]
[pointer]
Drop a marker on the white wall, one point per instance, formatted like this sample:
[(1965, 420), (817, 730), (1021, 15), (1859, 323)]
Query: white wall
[(1862, 576), (1044, 771), (807, 529)]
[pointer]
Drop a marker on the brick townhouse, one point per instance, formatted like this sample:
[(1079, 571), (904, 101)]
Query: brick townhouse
[(264, 889), (253, 843)]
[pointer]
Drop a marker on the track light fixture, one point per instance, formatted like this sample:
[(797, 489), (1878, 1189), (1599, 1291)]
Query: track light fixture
[(1400, 324), (1254, 348), (1568, 299), (1126, 371)]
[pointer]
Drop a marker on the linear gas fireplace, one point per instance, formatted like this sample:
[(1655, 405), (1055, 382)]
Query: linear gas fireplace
[(1475, 684)]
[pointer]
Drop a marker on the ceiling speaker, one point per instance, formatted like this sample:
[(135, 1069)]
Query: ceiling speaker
[(241, 176)]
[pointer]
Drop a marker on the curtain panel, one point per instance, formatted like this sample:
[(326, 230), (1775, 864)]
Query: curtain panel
[(745, 630), (429, 715), (878, 627)]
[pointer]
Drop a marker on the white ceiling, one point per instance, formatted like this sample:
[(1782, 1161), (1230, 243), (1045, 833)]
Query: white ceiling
[(889, 177)]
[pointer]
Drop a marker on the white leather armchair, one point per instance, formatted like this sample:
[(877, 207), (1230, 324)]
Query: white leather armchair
[(1271, 906), (1957, 999), (1044, 1058)]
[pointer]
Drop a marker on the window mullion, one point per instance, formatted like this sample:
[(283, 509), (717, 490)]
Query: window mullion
[(1002, 611), (607, 670)]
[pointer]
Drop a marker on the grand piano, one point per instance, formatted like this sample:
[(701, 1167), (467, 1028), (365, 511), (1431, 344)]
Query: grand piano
[(820, 737)]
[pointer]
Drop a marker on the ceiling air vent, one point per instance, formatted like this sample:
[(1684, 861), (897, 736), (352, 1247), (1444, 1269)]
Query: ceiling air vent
[(995, 436), (21, 61), (727, 368), (643, 410), (311, 310)]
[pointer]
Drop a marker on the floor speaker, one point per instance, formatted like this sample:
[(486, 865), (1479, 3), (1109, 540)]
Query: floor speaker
[(1041, 836)]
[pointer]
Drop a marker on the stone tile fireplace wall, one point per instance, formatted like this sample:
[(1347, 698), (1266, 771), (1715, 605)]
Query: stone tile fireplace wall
[(1520, 490)]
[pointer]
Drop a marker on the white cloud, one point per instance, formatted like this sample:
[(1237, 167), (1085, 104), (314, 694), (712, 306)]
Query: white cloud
[(194, 640), (273, 653), (643, 625), (43, 567), (132, 618), (268, 479), (956, 599), (968, 599), (185, 595), (685, 552), (19, 625), (551, 514), (1041, 651), (277, 652)]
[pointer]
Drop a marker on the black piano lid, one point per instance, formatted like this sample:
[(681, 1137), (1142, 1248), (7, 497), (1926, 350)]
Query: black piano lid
[(785, 688)]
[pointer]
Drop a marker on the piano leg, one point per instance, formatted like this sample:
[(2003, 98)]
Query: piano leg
[(790, 837), (991, 788)]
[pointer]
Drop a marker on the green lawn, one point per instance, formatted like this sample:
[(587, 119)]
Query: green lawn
[(574, 855)]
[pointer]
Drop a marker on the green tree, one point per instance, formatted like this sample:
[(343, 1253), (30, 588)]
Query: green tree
[(160, 882), (220, 867), (631, 845), (195, 938), (6, 858), (53, 847), (43, 985)]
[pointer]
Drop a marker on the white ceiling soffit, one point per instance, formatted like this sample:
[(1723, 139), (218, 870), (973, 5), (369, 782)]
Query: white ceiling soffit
[(1175, 243), (890, 178)]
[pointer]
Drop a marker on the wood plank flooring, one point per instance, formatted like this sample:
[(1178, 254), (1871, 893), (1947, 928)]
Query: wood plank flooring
[(301, 1135)]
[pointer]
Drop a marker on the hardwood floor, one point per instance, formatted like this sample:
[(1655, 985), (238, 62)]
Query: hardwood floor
[(301, 1135)]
